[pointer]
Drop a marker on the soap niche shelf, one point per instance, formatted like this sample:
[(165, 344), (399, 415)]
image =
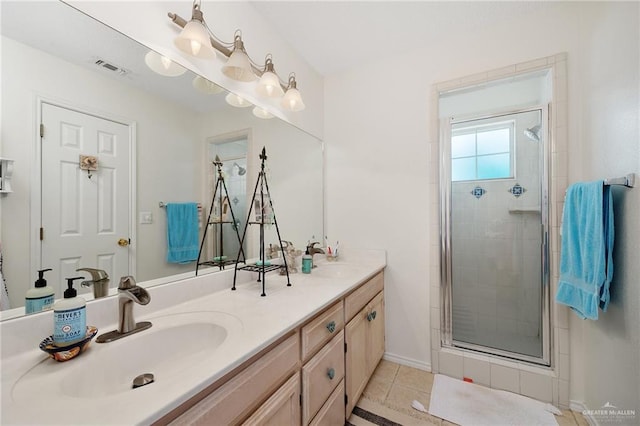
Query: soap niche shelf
[(262, 206)]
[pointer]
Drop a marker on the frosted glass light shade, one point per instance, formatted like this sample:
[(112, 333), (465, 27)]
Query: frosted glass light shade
[(206, 86), (292, 101), (269, 85), (236, 101), (238, 67), (163, 65), (194, 40), (262, 113)]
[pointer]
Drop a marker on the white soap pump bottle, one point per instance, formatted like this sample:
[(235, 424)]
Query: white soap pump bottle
[(69, 317), (41, 297)]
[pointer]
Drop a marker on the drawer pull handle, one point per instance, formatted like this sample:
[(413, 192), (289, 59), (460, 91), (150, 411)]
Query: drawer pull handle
[(371, 316), (331, 326), (331, 373)]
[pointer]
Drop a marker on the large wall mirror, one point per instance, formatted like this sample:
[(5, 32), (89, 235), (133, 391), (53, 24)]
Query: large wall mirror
[(156, 139)]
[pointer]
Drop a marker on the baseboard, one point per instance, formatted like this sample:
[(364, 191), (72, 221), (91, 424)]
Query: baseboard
[(407, 361), (580, 407)]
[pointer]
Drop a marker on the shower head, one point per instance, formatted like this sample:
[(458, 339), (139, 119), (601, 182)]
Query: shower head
[(533, 133), (241, 170)]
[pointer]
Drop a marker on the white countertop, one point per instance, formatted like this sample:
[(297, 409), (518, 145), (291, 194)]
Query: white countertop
[(260, 322)]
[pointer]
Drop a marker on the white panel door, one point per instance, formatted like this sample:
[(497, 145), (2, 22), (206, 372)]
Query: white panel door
[(84, 216)]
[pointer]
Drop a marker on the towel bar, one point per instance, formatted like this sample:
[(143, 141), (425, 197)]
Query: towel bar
[(628, 180), (162, 205)]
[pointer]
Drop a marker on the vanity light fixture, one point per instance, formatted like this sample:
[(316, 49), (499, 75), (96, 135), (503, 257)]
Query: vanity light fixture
[(194, 38), (206, 86), (238, 67), (197, 39), (292, 100), (163, 65), (269, 84), (236, 101)]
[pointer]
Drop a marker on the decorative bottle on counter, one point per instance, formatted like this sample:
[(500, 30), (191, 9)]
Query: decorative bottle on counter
[(39, 298), (307, 262), (69, 317)]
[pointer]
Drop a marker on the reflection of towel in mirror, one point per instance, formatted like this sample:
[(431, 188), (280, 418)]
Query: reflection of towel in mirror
[(182, 232), (586, 261), (4, 293)]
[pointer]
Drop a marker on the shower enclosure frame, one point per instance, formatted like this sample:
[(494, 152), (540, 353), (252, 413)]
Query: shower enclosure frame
[(446, 329)]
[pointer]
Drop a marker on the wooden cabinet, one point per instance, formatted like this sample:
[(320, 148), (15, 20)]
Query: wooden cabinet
[(303, 378), (332, 413), (364, 338), (238, 398), (321, 375), (282, 408)]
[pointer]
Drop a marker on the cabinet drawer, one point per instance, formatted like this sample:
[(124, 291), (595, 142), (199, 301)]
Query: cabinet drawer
[(236, 399), (332, 412), (359, 298), (321, 330), (282, 408), (321, 375)]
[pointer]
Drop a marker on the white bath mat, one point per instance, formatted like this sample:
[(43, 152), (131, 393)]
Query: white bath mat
[(470, 404)]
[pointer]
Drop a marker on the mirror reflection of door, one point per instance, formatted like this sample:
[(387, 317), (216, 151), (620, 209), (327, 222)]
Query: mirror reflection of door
[(85, 214), (232, 151)]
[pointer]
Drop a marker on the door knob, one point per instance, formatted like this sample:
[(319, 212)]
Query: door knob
[(123, 242)]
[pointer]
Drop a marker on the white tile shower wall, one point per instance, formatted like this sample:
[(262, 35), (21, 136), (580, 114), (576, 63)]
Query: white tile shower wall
[(504, 374)]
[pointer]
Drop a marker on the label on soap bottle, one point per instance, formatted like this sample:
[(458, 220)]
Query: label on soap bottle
[(32, 306), (70, 325)]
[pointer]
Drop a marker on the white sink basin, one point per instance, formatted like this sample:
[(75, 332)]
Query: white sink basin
[(174, 344), (337, 270)]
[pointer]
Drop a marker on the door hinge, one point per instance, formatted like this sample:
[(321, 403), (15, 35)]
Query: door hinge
[(345, 347), (301, 399), (346, 399), (41, 130), (41, 233)]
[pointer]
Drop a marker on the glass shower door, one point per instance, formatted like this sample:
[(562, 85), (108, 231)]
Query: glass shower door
[(497, 235)]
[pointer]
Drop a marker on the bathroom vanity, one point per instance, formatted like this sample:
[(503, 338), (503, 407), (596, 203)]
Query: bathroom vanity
[(300, 355)]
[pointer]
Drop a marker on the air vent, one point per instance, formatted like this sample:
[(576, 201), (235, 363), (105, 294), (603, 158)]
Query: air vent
[(111, 67)]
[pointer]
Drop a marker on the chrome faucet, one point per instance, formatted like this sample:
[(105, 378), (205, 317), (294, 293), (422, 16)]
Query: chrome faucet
[(99, 280), (128, 293), (313, 250)]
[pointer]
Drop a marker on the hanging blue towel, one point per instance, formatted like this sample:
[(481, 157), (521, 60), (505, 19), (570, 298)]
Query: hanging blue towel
[(182, 232), (586, 261)]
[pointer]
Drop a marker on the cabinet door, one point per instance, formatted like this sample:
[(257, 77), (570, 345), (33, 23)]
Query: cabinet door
[(321, 375), (332, 413), (282, 408), (375, 333), (355, 359)]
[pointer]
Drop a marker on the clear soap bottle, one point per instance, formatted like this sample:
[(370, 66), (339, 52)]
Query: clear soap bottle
[(40, 298)]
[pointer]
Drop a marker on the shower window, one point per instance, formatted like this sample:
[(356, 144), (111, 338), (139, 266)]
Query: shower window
[(482, 152)]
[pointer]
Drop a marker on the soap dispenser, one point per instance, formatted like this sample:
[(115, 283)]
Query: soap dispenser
[(307, 262), (39, 298), (69, 317)]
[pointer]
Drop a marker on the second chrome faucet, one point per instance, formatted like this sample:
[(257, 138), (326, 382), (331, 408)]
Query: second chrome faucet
[(128, 294)]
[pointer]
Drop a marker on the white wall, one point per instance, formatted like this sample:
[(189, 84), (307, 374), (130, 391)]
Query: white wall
[(608, 145), (147, 22), (381, 175)]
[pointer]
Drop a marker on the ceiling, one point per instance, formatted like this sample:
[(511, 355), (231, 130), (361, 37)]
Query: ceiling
[(336, 35)]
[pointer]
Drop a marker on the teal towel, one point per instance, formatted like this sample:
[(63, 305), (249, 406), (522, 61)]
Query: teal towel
[(182, 232), (586, 261)]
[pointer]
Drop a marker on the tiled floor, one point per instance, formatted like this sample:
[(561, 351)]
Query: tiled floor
[(397, 386)]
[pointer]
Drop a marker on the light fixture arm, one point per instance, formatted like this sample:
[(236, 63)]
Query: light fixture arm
[(197, 14)]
